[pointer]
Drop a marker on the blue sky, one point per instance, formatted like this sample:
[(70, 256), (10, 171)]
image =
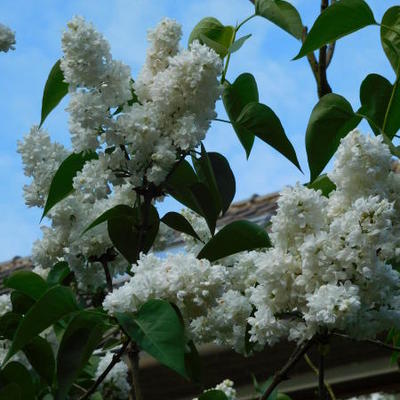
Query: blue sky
[(286, 86)]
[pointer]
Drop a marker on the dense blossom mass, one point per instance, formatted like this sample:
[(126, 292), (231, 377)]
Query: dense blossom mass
[(332, 263), (330, 267), (7, 38), (138, 129)]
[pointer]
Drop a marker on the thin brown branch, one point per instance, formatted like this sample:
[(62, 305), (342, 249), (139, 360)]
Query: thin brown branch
[(133, 366), (117, 356), (282, 374), (372, 341), (329, 53), (311, 57), (323, 85), (331, 46), (108, 275), (321, 377), (315, 369)]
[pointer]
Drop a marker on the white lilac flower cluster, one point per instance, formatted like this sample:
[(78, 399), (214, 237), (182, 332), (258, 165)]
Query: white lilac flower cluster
[(115, 386), (211, 297), (7, 38), (63, 240), (225, 386), (175, 96), (136, 142), (329, 267)]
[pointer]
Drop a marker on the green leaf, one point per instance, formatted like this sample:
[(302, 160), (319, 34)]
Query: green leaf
[(120, 210), (331, 120), (375, 92), (58, 273), (391, 123), (235, 97), (124, 231), (21, 302), (205, 203), (390, 36), (8, 324), (237, 44), (225, 180), (179, 182), (338, 20), (281, 13), (56, 303), (283, 396), (211, 32), (214, 171), (15, 372), (233, 238), (10, 392), (28, 283), (179, 223), (158, 331), (61, 184), (54, 91), (264, 123), (322, 183), (40, 355), (82, 335), (213, 394)]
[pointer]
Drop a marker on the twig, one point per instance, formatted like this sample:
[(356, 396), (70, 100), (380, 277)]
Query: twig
[(315, 369), (323, 85), (117, 356), (329, 53), (282, 374), (331, 47), (222, 120), (311, 57), (108, 275), (133, 365), (372, 341), (321, 377)]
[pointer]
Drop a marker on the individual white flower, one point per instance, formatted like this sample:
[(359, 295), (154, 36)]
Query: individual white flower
[(7, 38)]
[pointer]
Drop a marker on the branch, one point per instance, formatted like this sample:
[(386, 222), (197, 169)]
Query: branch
[(315, 369), (321, 377), (108, 275), (311, 57), (282, 374), (372, 341), (323, 87), (329, 53), (117, 356), (133, 365)]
